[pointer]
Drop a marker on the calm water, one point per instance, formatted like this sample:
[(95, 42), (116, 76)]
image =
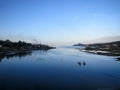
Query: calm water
[(59, 69)]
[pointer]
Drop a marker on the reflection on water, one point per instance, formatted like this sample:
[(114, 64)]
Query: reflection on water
[(118, 59), (58, 70), (23, 54), (1, 57), (20, 54)]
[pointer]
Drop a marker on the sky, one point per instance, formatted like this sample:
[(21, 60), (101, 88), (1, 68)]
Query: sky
[(58, 22)]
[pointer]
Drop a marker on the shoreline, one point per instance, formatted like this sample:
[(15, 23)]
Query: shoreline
[(105, 53), (118, 59), (11, 48), (100, 52), (19, 52), (14, 53)]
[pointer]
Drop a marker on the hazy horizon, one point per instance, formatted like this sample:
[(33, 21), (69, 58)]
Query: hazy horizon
[(59, 22)]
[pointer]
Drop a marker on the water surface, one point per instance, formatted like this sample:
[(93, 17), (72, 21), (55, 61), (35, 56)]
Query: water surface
[(59, 69)]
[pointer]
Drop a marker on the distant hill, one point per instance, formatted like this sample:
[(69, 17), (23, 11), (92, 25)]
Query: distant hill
[(108, 43), (79, 44)]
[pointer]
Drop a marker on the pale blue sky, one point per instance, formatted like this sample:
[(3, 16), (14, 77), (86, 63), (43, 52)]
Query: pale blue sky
[(59, 21)]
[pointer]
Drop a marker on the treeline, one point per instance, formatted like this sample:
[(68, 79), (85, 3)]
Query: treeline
[(8, 45), (111, 46)]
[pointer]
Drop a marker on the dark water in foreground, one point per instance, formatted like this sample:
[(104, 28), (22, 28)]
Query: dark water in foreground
[(59, 69)]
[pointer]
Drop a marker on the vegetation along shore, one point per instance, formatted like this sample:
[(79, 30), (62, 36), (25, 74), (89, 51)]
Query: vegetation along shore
[(9, 48), (109, 49)]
